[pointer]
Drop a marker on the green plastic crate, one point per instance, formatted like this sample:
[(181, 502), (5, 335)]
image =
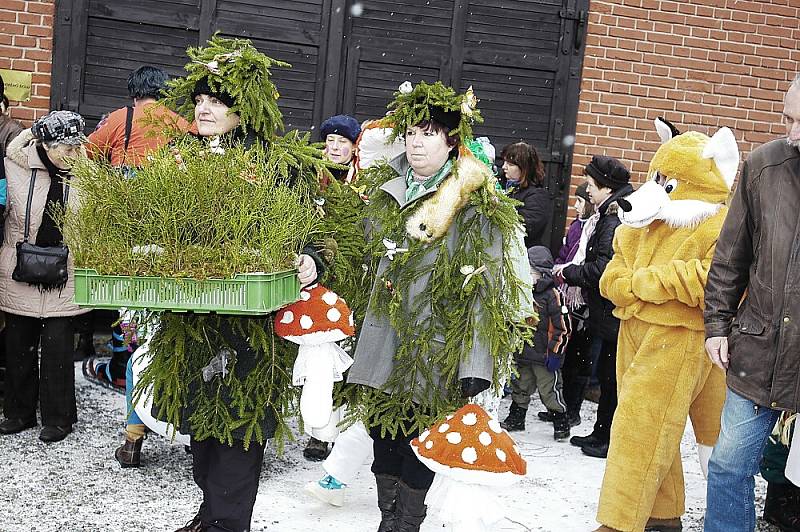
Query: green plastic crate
[(248, 294)]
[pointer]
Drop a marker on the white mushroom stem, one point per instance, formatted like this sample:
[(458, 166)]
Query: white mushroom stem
[(316, 368), (465, 507)]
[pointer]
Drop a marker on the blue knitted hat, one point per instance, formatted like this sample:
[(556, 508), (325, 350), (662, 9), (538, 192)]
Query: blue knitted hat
[(343, 125)]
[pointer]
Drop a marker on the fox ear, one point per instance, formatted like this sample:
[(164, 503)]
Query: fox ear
[(723, 149), (666, 131)]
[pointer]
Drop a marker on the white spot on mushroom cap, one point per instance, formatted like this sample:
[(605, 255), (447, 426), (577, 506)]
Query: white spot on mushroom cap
[(485, 439), (444, 427), (304, 295), (330, 298), (469, 455), (469, 419), (500, 455), (334, 315), (454, 438), (306, 322), (429, 444), (494, 426), (288, 317), (424, 436)]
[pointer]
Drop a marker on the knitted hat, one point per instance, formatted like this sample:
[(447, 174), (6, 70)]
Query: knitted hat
[(62, 127), (201, 87), (343, 125), (608, 172)]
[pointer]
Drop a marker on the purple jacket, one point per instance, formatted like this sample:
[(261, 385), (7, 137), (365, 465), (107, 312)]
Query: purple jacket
[(571, 242)]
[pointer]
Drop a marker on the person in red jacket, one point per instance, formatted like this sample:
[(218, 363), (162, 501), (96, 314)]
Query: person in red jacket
[(128, 146)]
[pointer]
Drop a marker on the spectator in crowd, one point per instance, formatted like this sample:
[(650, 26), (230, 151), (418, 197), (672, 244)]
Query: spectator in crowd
[(577, 368), (751, 319), (539, 363), (782, 502), (607, 181), (9, 128), (339, 133), (37, 170), (524, 182), (128, 134), (125, 137)]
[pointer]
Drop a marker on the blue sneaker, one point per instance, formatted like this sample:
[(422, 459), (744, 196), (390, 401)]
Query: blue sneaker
[(327, 489)]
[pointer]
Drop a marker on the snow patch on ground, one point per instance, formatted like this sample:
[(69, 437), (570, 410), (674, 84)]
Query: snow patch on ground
[(76, 485)]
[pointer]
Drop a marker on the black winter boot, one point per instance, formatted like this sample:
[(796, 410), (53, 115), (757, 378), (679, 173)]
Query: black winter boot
[(782, 506), (411, 508), (546, 416), (515, 420), (387, 501), (316, 450), (560, 426), (85, 347)]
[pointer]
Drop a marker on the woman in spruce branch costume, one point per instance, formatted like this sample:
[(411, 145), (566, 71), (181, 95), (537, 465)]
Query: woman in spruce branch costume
[(232, 411), (439, 326)]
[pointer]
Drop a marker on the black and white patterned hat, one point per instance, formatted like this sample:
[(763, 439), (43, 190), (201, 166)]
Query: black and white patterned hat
[(62, 127)]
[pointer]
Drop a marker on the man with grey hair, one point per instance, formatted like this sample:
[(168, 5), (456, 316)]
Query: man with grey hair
[(752, 318)]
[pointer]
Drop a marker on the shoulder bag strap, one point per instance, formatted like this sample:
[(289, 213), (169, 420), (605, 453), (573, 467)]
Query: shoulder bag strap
[(128, 126), (28, 207)]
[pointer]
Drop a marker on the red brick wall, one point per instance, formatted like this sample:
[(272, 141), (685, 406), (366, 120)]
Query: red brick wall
[(702, 64), (26, 44)]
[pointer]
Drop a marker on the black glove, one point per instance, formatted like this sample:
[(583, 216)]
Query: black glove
[(472, 386)]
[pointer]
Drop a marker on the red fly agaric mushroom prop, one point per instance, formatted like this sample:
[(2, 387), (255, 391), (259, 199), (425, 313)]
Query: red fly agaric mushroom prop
[(470, 454), (315, 322)]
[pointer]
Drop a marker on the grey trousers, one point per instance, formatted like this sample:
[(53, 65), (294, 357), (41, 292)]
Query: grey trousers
[(533, 377)]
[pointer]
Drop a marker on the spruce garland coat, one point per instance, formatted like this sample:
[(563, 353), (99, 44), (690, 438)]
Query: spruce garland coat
[(429, 323)]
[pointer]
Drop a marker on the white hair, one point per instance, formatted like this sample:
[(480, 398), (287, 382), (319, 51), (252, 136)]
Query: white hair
[(795, 82)]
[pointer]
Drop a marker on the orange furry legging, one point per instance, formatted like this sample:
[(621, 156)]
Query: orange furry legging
[(663, 376)]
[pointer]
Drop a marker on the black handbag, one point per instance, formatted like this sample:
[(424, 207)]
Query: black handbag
[(42, 266)]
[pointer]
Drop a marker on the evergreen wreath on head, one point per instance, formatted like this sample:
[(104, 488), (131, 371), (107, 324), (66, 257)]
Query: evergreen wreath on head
[(233, 67), (412, 105)]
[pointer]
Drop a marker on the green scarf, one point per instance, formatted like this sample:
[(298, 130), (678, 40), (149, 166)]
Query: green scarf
[(416, 188)]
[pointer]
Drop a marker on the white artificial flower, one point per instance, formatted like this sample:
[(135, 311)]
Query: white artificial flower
[(406, 87), (215, 147)]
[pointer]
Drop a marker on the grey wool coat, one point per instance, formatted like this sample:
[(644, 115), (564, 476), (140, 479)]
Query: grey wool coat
[(378, 341)]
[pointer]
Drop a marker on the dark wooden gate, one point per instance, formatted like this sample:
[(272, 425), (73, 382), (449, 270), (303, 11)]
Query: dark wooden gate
[(522, 57)]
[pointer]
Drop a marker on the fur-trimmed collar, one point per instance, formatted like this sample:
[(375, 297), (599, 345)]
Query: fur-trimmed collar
[(437, 208)]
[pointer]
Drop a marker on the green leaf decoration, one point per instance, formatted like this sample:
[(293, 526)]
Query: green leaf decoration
[(410, 107), (198, 212), (234, 67)]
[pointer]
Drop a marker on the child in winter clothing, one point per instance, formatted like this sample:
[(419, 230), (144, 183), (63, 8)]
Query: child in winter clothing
[(539, 365), (577, 368)]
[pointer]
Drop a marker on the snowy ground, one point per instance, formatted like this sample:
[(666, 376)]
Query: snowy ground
[(76, 485)]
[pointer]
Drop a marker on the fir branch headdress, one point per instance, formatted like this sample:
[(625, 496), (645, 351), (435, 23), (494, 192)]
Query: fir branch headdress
[(412, 105), (233, 67)]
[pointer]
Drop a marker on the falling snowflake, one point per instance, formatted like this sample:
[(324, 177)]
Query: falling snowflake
[(357, 9)]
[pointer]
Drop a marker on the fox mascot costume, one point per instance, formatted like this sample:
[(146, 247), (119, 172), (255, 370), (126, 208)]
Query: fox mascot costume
[(656, 279)]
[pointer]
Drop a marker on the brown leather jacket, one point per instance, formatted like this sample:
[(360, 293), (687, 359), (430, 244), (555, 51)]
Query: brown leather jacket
[(758, 259)]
